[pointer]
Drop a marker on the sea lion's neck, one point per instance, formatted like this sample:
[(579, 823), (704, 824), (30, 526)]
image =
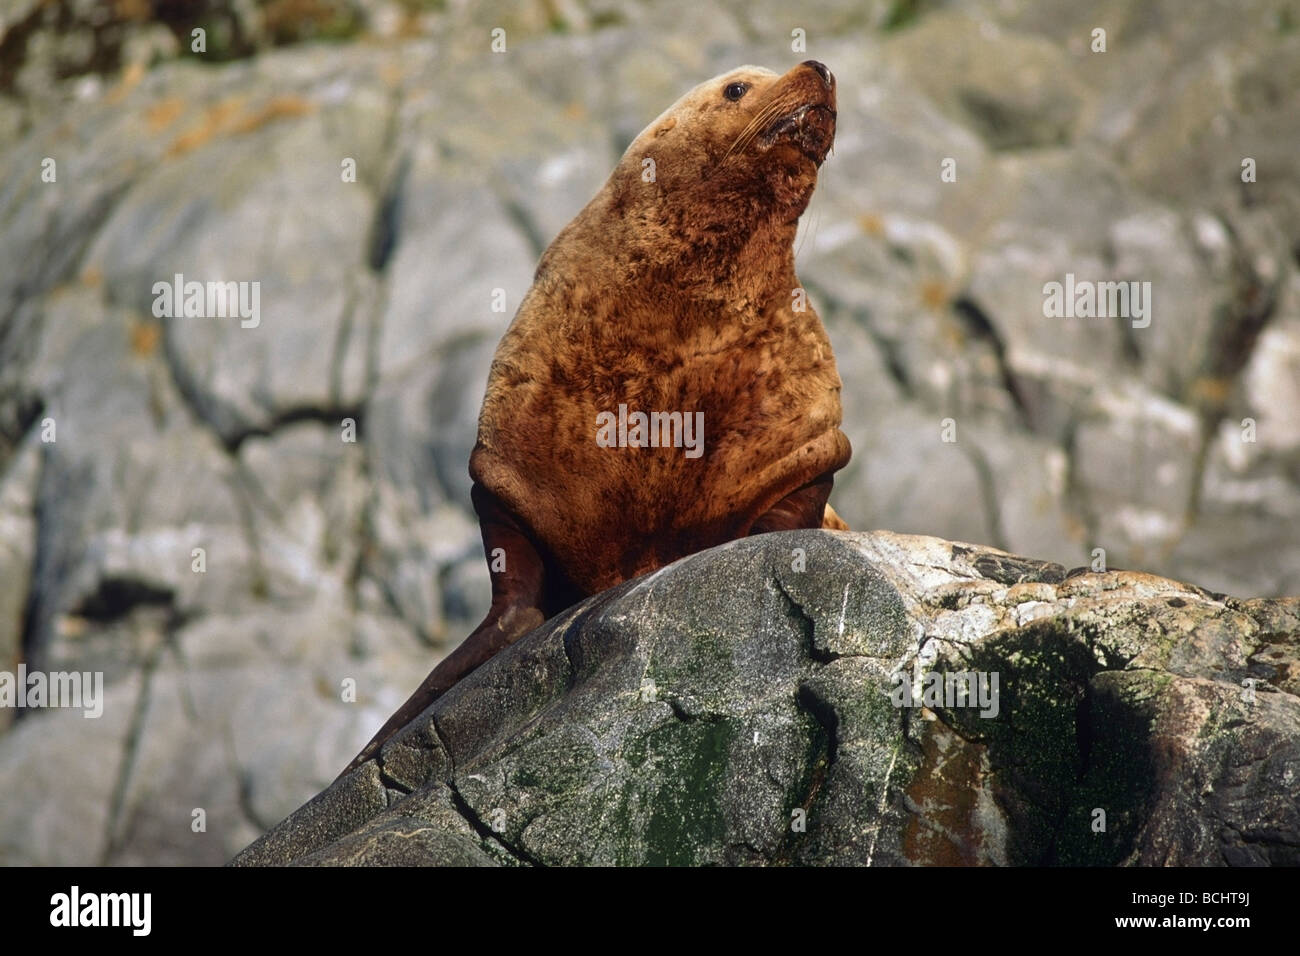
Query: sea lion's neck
[(714, 245), (725, 255), (730, 262)]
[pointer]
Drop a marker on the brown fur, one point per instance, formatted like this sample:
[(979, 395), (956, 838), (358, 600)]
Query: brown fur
[(671, 295)]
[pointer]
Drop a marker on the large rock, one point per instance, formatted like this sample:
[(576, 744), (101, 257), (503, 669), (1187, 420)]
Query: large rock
[(745, 706)]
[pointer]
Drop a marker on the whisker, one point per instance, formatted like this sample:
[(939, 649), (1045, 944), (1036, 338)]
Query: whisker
[(764, 116)]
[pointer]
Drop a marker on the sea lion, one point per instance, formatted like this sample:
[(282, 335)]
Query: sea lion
[(665, 386)]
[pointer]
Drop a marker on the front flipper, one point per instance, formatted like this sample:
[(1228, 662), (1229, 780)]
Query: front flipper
[(805, 508), (517, 608)]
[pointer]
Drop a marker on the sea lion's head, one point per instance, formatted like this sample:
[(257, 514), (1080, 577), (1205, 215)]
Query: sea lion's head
[(706, 200), (795, 111), (748, 135)]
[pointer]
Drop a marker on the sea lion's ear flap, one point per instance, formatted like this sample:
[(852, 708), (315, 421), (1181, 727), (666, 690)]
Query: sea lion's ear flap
[(665, 126)]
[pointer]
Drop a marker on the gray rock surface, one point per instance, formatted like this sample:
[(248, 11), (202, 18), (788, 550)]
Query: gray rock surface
[(735, 708), (328, 561)]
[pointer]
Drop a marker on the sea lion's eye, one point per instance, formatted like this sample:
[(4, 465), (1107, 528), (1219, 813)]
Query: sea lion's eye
[(735, 91)]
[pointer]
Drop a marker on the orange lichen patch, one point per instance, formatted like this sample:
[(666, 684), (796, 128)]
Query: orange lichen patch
[(391, 75), (92, 277), (871, 224), (943, 830), (934, 294), (70, 625), (324, 688), (231, 117), (952, 334), (145, 336), (575, 111), (1075, 527), (131, 78), (274, 109), (217, 119), (1210, 390), (411, 26), (163, 113), (133, 9)]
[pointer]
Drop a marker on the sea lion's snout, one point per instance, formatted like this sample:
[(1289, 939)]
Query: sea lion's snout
[(809, 122), (816, 132), (820, 69)]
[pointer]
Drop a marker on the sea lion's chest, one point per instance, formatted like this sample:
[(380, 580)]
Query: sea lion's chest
[(739, 368), (635, 407)]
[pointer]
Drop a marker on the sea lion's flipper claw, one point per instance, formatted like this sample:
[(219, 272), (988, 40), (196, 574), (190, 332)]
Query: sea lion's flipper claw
[(832, 521)]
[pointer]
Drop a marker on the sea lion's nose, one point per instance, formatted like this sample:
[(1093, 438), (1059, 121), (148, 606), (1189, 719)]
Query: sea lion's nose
[(824, 73)]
